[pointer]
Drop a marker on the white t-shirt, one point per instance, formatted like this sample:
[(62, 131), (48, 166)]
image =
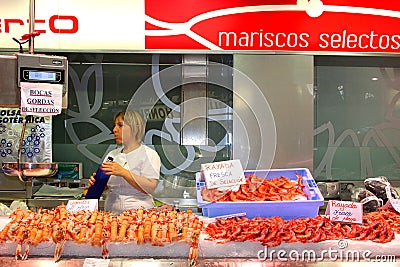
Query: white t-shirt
[(121, 196)]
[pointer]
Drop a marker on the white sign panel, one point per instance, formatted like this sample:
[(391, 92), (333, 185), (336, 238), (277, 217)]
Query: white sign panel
[(42, 99), (223, 174), (75, 24)]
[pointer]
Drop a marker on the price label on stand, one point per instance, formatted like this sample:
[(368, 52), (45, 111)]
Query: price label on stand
[(345, 211), (83, 204), (392, 202), (93, 262), (223, 174)]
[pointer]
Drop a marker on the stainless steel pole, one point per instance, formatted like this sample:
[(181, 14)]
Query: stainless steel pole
[(31, 25)]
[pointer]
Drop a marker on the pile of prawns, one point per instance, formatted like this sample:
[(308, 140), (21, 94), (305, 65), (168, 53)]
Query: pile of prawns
[(99, 228), (259, 189), (379, 226)]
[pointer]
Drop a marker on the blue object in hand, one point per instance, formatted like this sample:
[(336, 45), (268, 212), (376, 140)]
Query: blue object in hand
[(96, 190)]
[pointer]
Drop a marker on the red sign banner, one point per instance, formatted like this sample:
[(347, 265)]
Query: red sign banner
[(302, 25)]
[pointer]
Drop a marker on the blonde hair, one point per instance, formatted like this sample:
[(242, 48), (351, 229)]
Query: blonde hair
[(135, 120)]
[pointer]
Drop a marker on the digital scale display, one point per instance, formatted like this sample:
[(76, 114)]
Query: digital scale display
[(42, 75)]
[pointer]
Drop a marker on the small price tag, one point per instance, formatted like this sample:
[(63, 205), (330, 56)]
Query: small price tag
[(345, 211), (223, 174), (395, 204), (392, 203), (93, 262), (83, 204)]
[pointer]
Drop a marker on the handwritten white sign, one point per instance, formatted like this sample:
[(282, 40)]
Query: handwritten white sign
[(223, 174), (42, 99), (345, 211), (93, 262), (392, 203), (83, 204)]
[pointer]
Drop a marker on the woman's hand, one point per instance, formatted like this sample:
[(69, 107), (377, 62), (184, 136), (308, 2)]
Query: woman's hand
[(110, 168), (92, 180), (113, 168)]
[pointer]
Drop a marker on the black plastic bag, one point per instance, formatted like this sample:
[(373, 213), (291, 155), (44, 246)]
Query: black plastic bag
[(377, 185), (369, 200)]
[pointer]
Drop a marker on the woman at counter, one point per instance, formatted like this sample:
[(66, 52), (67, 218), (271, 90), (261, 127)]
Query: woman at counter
[(135, 169)]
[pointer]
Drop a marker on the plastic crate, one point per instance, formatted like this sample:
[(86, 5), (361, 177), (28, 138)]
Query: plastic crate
[(285, 209)]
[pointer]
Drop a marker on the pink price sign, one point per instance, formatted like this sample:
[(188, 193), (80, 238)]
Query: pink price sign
[(345, 211), (83, 204)]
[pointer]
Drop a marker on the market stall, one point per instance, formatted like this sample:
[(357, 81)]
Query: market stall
[(258, 232), (259, 240), (254, 105)]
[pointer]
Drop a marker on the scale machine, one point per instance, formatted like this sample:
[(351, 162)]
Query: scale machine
[(33, 68), (27, 68)]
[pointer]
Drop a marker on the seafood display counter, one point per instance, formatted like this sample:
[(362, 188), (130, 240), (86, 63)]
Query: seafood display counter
[(160, 237), (213, 243), (129, 262)]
